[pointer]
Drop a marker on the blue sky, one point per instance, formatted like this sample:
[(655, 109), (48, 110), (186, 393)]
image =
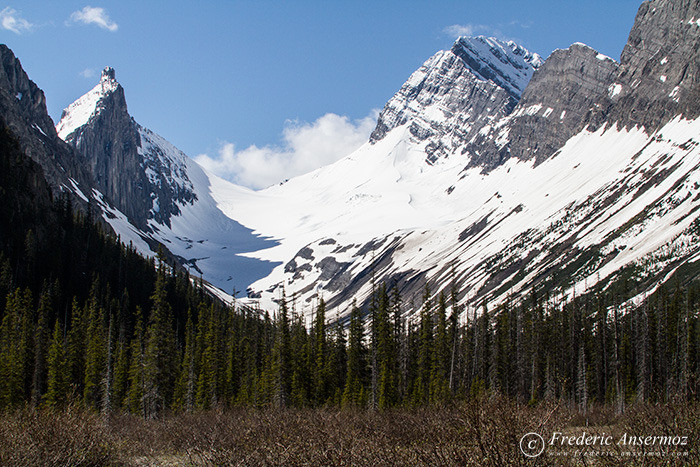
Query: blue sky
[(221, 76)]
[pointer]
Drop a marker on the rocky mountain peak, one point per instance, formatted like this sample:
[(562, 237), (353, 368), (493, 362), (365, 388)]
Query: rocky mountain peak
[(455, 93), (108, 74), (507, 64), (107, 94), (143, 174)]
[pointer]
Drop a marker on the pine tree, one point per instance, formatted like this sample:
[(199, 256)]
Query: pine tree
[(453, 333), (300, 388), (41, 342), (440, 357), (582, 382), (601, 354), (94, 355), (159, 355), (354, 393), (185, 389), (134, 398), (385, 351), (15, 349), (75, 352), (337, 363), (425, 351), (108, 373), (56, 381), (620, 403), (642, 352), (282, 356), (401, 346), (319, 353), (209, 384), (121, 373), (233, 354)]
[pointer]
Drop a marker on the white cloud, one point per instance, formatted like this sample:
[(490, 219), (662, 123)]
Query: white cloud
[(88, 73), (457, 30), (94, 15), (10, 20), (306, 147)]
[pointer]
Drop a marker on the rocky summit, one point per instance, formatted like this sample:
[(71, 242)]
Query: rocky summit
[(134, 173), (455, 93)]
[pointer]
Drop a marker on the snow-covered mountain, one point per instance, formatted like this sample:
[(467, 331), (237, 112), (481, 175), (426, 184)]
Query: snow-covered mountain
[(160, 195), (590, 174), (489, 167)]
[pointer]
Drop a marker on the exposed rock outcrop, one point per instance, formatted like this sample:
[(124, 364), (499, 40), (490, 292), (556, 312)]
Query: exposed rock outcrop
[(659, 74), (571, 84)]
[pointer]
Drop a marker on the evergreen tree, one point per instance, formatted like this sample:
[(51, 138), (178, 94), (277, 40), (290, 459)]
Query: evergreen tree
[(56, 381), (159, 355), (385, 351), (582, 382), (354, 393), (209, 382), (134, 398), (300, 342), (94, 355), (282, 356), (75, 352), (15, 349), (320, 378), (439, 371), (185, 389), (41, 343), (425, 351), (121, 373)]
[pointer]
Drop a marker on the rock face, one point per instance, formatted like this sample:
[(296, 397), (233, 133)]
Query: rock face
[(23, 111), (570, 85), (659, 74), (457, 92), (127, 163)]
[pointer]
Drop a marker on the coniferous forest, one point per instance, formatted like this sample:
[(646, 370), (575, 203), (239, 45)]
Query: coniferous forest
[(88, 325)]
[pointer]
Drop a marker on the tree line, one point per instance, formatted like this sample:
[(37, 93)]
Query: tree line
[(580, 351)]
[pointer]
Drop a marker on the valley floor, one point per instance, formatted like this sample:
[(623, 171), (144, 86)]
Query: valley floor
[(491, 431)]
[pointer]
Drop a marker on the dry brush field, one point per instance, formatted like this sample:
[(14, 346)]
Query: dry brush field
[(485, 432)]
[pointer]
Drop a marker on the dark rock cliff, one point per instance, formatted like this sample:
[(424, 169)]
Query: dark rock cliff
[(659, 75), (23, 112), (571, 84)]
